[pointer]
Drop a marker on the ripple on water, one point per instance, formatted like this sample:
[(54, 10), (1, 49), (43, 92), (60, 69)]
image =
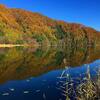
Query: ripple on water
[(26, 92), (5, 94)]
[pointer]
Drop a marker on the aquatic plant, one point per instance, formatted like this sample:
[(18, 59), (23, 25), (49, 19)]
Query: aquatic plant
[(88, 88)]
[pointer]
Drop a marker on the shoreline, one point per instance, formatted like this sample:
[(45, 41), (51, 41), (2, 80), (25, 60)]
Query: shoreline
[(25, 45), (14, 45)]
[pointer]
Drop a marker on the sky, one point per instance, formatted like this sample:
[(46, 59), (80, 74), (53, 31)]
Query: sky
[(85, 12)]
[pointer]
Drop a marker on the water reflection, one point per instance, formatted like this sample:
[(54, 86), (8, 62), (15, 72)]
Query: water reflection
[(27, 73)]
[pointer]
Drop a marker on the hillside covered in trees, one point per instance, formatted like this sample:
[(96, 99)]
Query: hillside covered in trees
[(24, 27)]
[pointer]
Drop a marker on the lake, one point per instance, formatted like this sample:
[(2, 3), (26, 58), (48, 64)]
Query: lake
[(49, 73)]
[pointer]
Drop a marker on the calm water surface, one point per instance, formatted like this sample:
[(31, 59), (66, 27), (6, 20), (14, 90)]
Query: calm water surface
[(42, 74)]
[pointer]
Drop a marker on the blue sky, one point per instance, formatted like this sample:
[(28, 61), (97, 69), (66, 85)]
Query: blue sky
[(86, 12)]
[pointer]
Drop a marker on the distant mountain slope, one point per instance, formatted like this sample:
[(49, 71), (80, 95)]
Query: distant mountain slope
[(19, 26)]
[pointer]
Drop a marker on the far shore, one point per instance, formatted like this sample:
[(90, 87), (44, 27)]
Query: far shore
[(24, 45), (14, 45)]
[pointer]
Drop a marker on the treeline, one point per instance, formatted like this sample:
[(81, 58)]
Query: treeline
[(23, 27)]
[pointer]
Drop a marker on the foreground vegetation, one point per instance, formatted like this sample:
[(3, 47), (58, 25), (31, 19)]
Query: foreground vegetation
[(88, 87)]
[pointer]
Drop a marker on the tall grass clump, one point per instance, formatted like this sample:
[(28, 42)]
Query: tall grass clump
[(87, 89)]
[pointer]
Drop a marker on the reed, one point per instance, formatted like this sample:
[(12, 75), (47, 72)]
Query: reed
[(88, 89)]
